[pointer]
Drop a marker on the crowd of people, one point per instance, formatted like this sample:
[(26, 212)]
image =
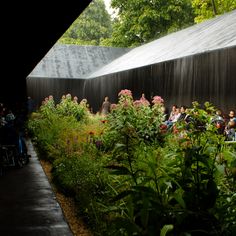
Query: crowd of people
[(11, 125), (12, 128), (226, 124)]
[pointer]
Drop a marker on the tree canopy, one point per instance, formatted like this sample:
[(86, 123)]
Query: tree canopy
[(91, 27), (206, 9), (140, 21)]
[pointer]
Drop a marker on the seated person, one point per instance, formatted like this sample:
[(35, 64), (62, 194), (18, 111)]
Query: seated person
[(182, 113), (172, 113), (232, 116), (230, 131), (219, 121), (11, 135), (173, 118)]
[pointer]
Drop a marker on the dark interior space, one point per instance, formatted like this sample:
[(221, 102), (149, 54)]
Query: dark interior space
[(28, 31)]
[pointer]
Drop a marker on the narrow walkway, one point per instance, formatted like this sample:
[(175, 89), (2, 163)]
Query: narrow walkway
[(27, 203)]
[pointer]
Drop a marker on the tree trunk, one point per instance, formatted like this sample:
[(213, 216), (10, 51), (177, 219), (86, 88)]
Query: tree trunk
[(214, 7)]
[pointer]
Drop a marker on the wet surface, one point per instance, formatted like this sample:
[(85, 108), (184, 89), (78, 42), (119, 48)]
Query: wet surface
[(28, 205)]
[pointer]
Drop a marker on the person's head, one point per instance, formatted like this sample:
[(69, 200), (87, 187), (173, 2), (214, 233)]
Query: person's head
[(218, 112), (83, 101), (75, 99), (177, 111), (10, 116), (183, 109), (231, 114), (106, 98), (174, 108)]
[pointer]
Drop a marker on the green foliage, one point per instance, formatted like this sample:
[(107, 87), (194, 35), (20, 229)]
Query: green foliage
[(206, 9), (47, 134), (83, 178), (69, 107), (166, 229), (133, 122), (92, 26), (141, 21), (139, 180), (51, 122), (177, 185)]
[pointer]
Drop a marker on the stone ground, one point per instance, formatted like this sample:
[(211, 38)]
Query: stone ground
[(30, 205), (68, 206)]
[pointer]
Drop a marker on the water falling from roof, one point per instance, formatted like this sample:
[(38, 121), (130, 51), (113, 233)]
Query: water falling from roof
[(216, 33)]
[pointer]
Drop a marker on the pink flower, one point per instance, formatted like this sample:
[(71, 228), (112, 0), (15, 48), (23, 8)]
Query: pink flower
[(125, 92), (113, 106), (125, 103), (144, 102), (157, 100), (137, 103), (68, 96), (75, 99)]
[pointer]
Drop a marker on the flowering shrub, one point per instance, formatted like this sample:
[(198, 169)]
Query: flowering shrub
[(180, 175), (136, 119), (154, 181), (157, 100), (47, 107), (70, 107), (125, 93)]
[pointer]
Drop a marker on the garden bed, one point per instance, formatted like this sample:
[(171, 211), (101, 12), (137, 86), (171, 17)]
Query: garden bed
[(67, 204), (132, 175)]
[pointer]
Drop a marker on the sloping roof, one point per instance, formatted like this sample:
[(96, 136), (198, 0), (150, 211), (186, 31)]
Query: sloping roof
[(216, 33), (73, 61)]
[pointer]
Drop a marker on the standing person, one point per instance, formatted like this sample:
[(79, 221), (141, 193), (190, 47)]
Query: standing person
[(30, 105), (144, 101), (106, 106)]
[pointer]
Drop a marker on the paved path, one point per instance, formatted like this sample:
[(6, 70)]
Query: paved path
[(28, 206)]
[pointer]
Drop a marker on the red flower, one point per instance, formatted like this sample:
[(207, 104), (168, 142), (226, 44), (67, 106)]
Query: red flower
[(163, 126), (91, 133), (175, 130)]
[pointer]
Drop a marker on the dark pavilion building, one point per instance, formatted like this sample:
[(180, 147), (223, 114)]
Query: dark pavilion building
[(194, 64)]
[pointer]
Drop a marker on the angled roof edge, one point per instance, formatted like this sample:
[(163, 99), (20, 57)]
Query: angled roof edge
[(75, 61), (212, 34)]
